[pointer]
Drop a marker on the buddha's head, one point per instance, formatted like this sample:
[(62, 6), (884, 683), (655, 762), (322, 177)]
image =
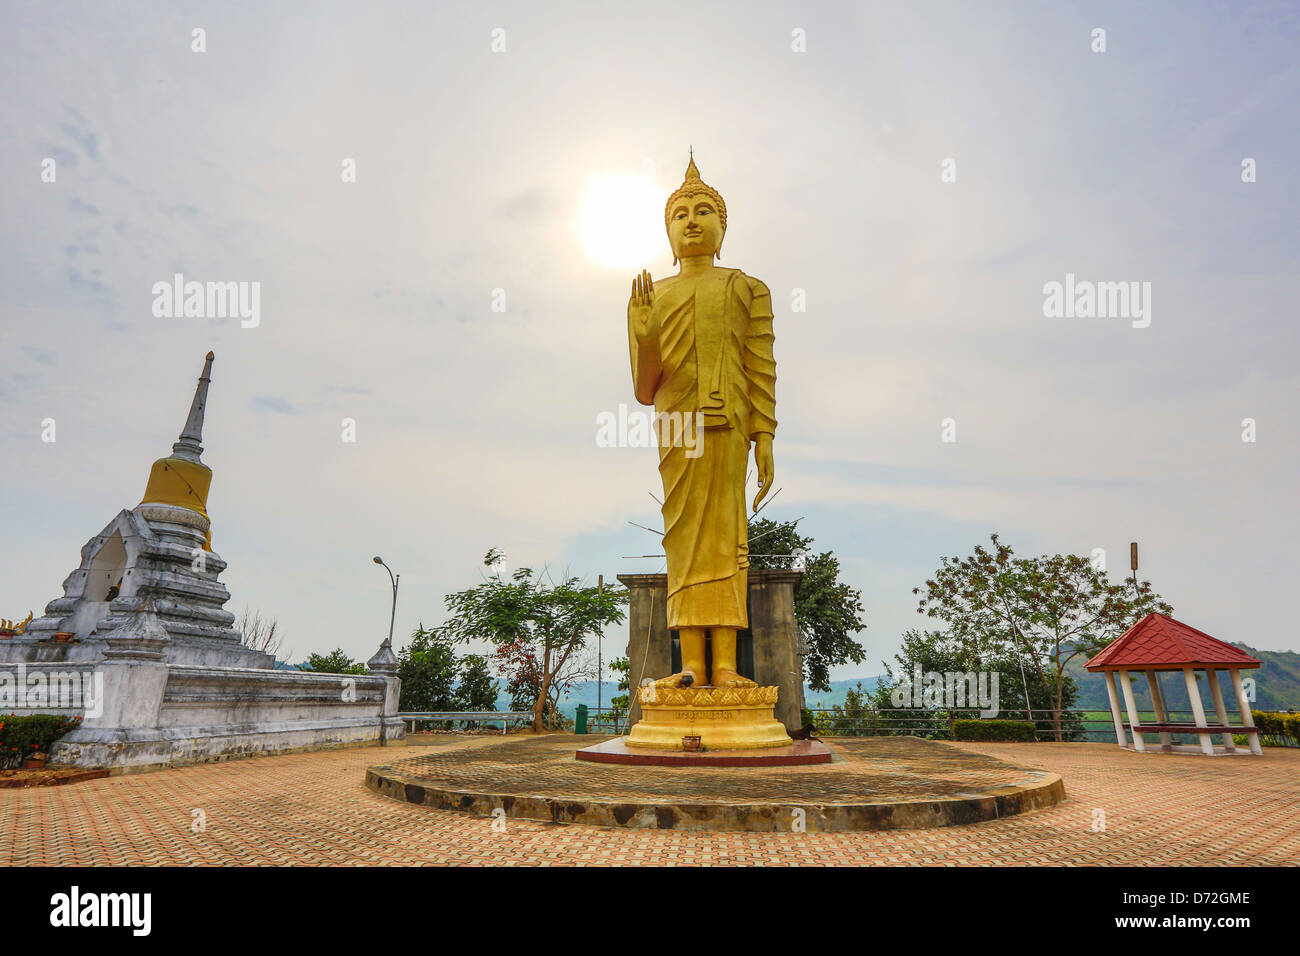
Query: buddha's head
[(696, 217)]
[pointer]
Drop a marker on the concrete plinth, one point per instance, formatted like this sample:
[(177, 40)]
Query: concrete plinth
[(776, 659), (881, 783)]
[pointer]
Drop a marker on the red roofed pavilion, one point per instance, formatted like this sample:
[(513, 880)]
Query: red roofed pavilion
[(1159, 643)]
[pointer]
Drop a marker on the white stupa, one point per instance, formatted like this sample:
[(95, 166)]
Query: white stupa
[(158, 554)]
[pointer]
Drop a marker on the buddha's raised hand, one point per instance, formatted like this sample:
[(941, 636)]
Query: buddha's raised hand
[(640, 307)]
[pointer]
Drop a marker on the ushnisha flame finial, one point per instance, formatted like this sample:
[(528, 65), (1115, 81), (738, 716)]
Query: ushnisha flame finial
[(190, 446), (692, 185)]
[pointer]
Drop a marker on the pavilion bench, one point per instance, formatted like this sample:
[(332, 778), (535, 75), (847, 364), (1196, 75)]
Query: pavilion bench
[(506, 717), (1186, 728)]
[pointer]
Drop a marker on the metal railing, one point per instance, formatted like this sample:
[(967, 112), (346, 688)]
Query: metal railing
[(606, 721), (1075, 724), (448, 720), (937, 724)]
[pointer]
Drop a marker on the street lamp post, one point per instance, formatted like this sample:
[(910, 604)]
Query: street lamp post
[(600, 654), (392, 617)]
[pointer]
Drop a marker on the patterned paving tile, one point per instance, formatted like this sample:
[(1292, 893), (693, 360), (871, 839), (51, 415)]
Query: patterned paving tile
[(313, 809)]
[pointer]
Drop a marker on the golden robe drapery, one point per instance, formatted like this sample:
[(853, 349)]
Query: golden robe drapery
[(715, 359)]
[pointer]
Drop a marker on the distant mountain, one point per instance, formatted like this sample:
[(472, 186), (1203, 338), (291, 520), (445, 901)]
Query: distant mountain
[(1277, 685)]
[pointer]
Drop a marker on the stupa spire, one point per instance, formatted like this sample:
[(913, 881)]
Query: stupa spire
[(181, 480), (190, 445)]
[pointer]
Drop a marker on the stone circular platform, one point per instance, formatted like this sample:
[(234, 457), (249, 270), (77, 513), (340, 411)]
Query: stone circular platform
[(875, 783), (615, 750)]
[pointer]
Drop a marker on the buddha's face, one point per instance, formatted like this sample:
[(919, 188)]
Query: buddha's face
[(694, 227)]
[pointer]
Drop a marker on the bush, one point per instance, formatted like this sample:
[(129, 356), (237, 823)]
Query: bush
[(22, 737), (1278, 725), (1021, 730), (335, 662)]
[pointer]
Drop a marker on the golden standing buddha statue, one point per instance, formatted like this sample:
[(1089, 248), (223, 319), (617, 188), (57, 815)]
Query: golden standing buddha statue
[(701, 348)]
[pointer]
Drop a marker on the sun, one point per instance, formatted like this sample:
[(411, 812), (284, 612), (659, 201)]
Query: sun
[(622, 220)]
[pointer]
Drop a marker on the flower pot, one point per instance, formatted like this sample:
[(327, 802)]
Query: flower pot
[(63, 637), (35, 762), (691, 743)]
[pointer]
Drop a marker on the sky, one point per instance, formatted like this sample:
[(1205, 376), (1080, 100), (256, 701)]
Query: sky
[(914, 173)]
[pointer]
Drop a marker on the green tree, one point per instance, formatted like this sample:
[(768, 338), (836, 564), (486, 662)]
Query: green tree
[(531, 615), (427, 668), (1044, 611), (849, 717), (477, 689), (935, 651), (618, 704), (826, 610), (335, 662), (434, 678)]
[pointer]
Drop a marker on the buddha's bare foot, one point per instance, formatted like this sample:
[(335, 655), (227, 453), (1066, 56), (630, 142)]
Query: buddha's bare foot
[(682, 679), (723, 678)]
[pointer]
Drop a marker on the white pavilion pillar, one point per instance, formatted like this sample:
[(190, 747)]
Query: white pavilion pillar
[(1116, 712), (1247, 719), (1216, 692), (1158, 702), (1127, 686), (1198, 710)]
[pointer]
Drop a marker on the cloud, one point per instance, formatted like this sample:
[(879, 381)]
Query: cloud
[(86, 283), (476, 428), (63, 157), (347, 389), (182, 210), (528, 205), (40, 356), (78, 127), (275, 404)]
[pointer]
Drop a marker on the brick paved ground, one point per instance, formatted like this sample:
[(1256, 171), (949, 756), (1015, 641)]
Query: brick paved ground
[(873, 784), (885, 769), (314, 809)]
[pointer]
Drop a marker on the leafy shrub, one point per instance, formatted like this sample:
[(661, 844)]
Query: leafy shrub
[(335, 662), (22, 737), (1283, 728), (1021, 730)]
